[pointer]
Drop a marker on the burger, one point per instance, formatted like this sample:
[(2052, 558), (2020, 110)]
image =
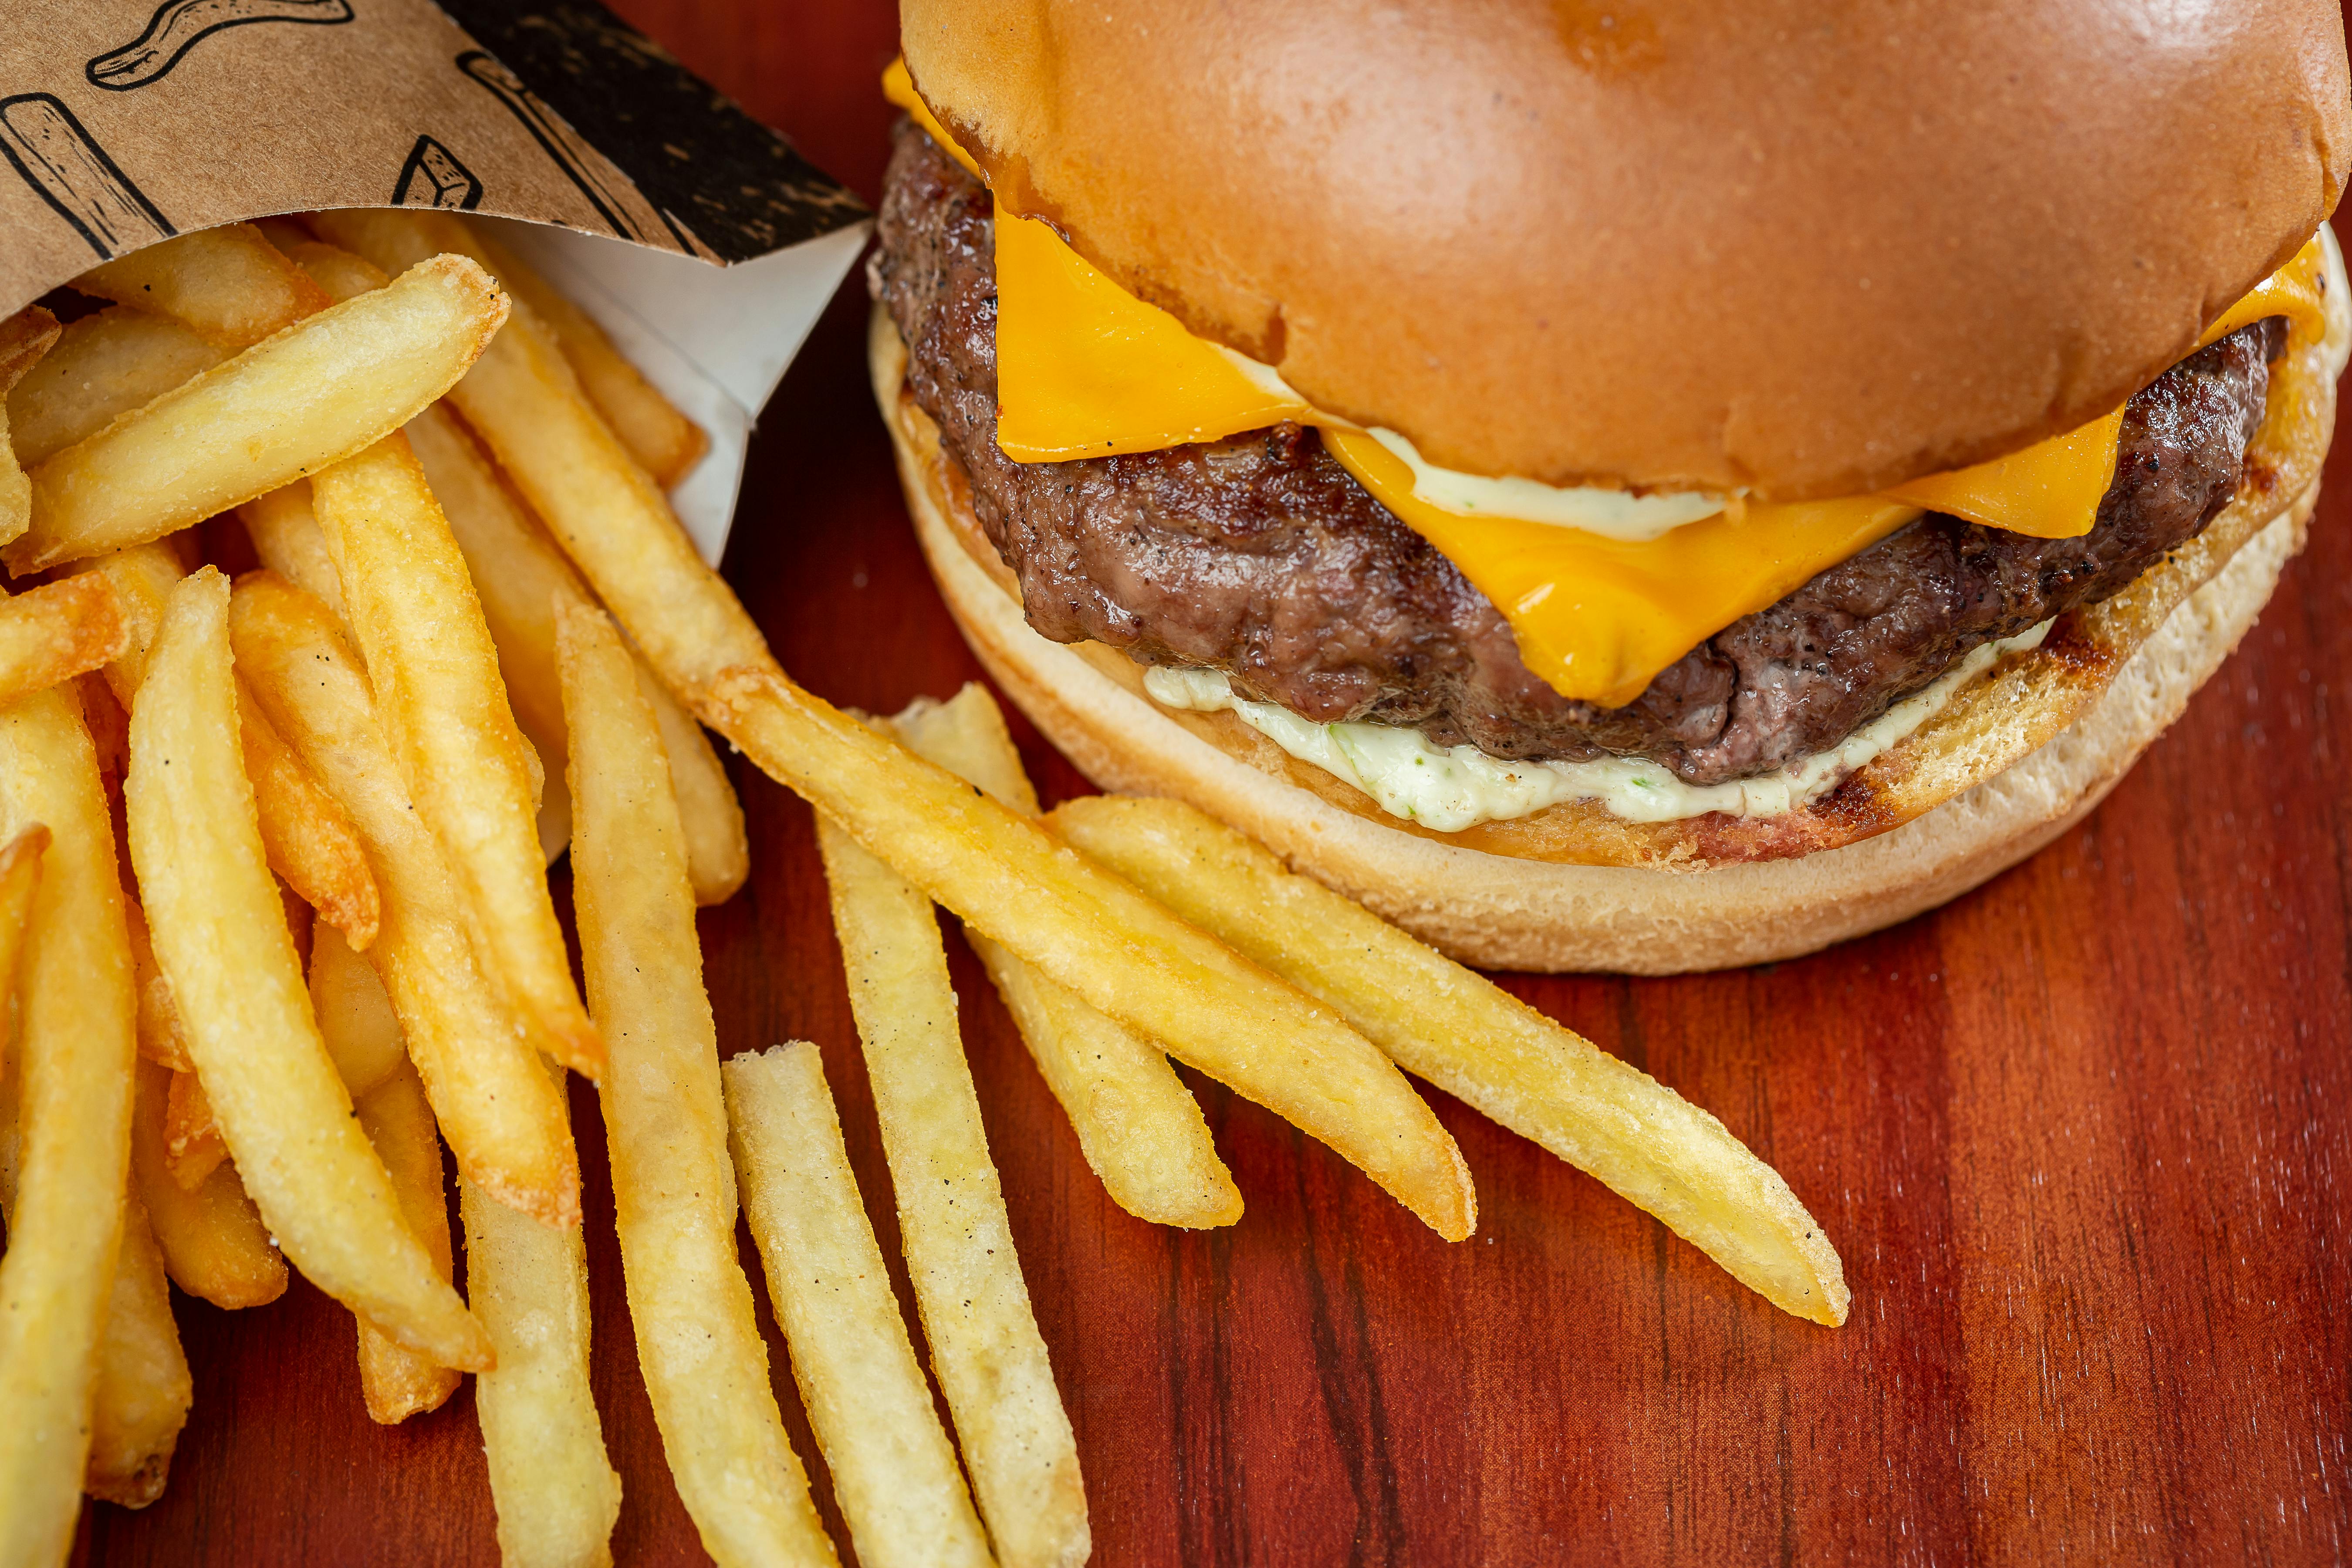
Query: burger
[(1632, 485)]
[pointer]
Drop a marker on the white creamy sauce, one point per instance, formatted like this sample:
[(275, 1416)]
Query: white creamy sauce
[(1612, 514), (1451, 788)]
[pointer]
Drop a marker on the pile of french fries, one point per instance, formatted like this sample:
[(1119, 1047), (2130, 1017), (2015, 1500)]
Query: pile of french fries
[(275, 925)]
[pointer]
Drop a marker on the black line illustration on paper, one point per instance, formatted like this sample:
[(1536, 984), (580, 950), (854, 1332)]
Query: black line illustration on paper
[(75, 175), (179, 26), (579, 160), (435, 177)]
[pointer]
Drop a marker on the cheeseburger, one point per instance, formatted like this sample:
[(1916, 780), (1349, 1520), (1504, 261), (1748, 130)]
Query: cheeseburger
[(1637, 485)]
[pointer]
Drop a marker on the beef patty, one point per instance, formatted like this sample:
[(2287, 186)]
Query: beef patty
[(1260, 556)]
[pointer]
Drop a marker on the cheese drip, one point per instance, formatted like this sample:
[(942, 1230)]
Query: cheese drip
[(1603, 589)]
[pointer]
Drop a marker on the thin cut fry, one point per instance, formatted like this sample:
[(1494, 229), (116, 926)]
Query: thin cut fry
[(396, 1382), (143, 1387), (985, 1347), (20, 879), (71, 1080), (521, 576), (310, 839), (193, 1145), (228, 285), (1121, 952), (412, 611), (555, 1491), (220, 935), (503, 1118), (215, 1244), (327, 387), (285, 534), (355, 1015), (103, 367), (1479, 1044), (1140, 1128), (665, 442), (894, 1474), (602, 506), (55, 633), (698, 1345)]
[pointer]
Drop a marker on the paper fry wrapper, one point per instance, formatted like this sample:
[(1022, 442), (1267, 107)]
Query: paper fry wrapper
[(698, 238)]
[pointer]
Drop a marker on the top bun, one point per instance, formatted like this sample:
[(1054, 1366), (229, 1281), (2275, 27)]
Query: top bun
[(1806, 247)]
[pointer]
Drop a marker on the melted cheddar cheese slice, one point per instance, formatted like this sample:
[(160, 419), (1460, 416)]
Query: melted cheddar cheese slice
[(1085, 369)]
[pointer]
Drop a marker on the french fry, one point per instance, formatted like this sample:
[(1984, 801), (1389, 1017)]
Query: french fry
[(1118, 950), (71, 1078), (103, 367), (141, 578), (521, 575), (985, 1347), (143, 1387), (524, 402), (342, 273), (228, 285), (1006, 879), (220, 936), (56, 632), (330, 386), (310, 839), (894, 1474), (20, 879), (25, 338), (665, 442), (193, 1145), (503, 1118), (412, 611), (1478, 1043), (355, 1015), (395, 1382), (1139, 1127), (705, 1368), (160, 1040), (285, 534), (555, 1491), (214, 1246)]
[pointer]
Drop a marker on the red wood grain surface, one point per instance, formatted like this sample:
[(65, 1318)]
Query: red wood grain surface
[(2080, 1137)]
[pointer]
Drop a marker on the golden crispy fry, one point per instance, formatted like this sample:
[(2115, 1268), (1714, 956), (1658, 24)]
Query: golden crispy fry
[(1077, 924), (342, 273), (55, 633), (521, 575), (25, 337), (412, 609), (285, 534), (355, 1015), (327, 387), (665, 442), (20, 879), (396, 1382), (502, 1117), (985, 1348), (1139, 1127), (556, 1493), (143, 1387), (71, 1082), (894, 1474), (524, 402), (161, 1039), (215, 1244), (193, 1145), (698, 1345), (1479, 1044), (220, 936), (310, 839), (228, 285), (103, 367)]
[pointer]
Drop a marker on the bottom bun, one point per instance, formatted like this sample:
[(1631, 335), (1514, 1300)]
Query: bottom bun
[(1500, 911)]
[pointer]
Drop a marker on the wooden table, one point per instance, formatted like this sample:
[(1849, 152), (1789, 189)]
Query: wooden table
[(2081, 1138)]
